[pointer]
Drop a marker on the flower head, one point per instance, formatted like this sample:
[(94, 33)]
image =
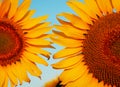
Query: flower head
[(21, 40), (91, 57)]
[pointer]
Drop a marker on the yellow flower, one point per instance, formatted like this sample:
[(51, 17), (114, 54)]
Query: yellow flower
[(91, 57), (21, 40)]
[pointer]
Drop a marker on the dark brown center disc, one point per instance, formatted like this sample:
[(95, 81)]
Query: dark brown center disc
[(101, 49), (10, 44)]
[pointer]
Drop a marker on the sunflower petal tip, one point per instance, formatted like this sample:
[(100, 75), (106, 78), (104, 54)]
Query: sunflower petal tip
[(61, 14), (55, 56), (53, 65)]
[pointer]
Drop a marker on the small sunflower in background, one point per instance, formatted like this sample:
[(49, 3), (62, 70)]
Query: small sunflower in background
[(21, 40), (91, 57), (53, 83)]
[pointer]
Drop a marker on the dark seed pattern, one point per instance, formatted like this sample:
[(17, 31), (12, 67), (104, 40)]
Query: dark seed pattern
[(101, 49)]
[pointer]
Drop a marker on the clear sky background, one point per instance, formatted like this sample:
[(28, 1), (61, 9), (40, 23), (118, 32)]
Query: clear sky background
[(51, 8)]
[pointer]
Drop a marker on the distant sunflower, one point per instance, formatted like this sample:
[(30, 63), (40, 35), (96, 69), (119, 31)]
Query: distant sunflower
[(91, 57), (21, 40)]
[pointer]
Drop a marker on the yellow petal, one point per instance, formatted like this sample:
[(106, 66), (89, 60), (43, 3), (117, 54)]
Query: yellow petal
[(67, 52), (34, 58), (75, 20), (13, 8), (68, 62), (93, 6), (37, 32), (22, 10), (93, 83), (80, 13), (63, 22), (24, 73), (72, 31), (52, 83), (101, 84), (73, 74), (27, 16), (12, 77), (17, 72), (116, 4), (108, 6), (33, 22), (84, 8), (75, 65), (37, 50), (68, 42), (38, 26), (31, 67), (12, 84), (2, 76), (5, 82), (4, 7), (38, 41), (83, 81), (17, 69), (101, 5)]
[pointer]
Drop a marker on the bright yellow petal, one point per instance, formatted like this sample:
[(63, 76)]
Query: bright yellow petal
[(31, 67), (83, 81), (116, 4), (101, 84), (12, 77), (38, 41), (4, 7), (109, 8), (13, 8), (24, 73), (39, 26), (93, 83), (68, 62), (37, 32), (63, 22), (67, 52), (5, 81), (27, 16), (80, 13), (68, 42), (16, 72), (37, 50), (72, 31), (73, 74), (73, 66), (12, 84), (33, 22), (105, 6), (52, 83), (2, 76), (101, 5), (17, 69), (34, 58), (22, 10), (84, 8), (93, 6), (75, 20)]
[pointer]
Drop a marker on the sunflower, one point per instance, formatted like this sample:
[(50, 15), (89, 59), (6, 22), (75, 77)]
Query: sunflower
[(91, 40), (21, 40), (53, 83)]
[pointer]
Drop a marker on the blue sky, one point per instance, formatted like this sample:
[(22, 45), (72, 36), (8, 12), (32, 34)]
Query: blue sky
[(51, 8)]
